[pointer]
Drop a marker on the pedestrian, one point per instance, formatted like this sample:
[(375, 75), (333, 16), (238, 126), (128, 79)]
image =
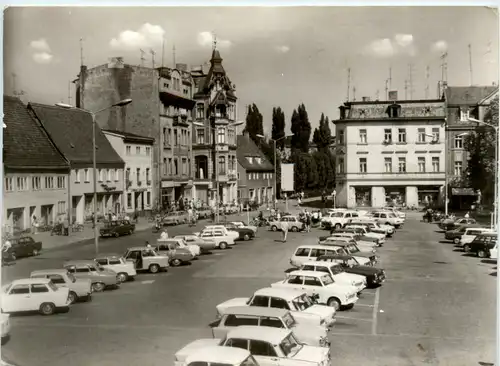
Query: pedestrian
[(66, 226), (284, 230), (308, 222), (164, 234), (93, 220), (467, 215), (34, 225)]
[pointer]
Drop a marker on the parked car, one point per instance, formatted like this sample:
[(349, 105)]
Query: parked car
[(206, 245), (482, 245), (124, 270), (374, 276), (226, 232), (471, 233), (306, 253), (337, 219), (79, 288), (365, 233), (387, 218), (244, 233), (221, 237), (217, 356), (170, 218), (301, 306), (269, 346), (25, 246), (5, 324), (146, 259), (339, 275), (366, 244), (449, 224), (312, 335), (180, 243), (243, 225), (117, 228), (349, 247), (456, 233), (176, 253), (396, 212), (323, 286), (370, 224), (34, 294), (292, 222), (100, 277)]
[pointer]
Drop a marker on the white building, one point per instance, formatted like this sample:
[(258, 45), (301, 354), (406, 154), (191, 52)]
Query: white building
[(390, 153), (136, 152)]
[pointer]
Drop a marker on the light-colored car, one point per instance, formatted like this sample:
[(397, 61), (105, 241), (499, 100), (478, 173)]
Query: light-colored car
[(338, 274), (366, 232), (79, 288), (303, 309), (220, 236), (88, 269), (206, 245), (387, 218), (323, 286), (292, 222), (216, 356), (312, 335), (34, 294), (337, 219), (193, 248), (374, 226), (176, 253), (349, 247), (470, 234), (241, 224), (225, 231), (364, 244), (5, 320), (269, 346), (310, 252), (396, 212), (115, 262), (147, 259)]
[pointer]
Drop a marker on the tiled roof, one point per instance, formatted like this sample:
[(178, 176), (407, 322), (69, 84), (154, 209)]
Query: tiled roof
[(467, 95), (127, 136), (248, 148), (71, 131), (25, 143)]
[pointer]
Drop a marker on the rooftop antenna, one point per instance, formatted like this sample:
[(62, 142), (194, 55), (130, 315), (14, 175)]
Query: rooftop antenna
[(410, 76), (377, 93), (15, 92), (81, 51), (427, 75), (390, 77), (69, 92), (444, 66), (173, 52), (153, 53), (470, 63), (348, 82), (387, 89), (214, 45), (406, 89), (353, 93), (143, 59), (163, 52)]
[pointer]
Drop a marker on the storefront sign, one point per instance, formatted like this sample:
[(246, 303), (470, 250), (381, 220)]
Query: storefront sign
[(463, 192)]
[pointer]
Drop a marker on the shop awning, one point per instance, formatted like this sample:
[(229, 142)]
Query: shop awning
[(463, 192)]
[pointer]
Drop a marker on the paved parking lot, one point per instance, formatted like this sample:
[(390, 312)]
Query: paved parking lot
[(436, 307)]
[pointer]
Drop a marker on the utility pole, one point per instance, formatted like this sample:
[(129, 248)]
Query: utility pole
[(143, 59), (470, 63), (348, 82), (390, 77), (386, 89), (163, 52), (353, 93), (81, 51), (377, 93)]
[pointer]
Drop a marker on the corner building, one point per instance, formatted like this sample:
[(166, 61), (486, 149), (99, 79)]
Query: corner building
[(390, 153)]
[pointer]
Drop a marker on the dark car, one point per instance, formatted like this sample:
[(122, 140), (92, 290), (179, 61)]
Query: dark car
[(455, 234), (482, 244), (374, 276), (453, 224), (245, 233), (117, 228), (25, 246)]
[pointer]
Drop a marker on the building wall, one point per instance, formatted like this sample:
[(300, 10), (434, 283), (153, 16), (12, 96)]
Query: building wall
[(255, 186)]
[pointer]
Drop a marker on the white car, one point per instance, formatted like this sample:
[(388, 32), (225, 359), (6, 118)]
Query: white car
[(322, 286), (306, 253), (470, 234), (365, 245), (269, 347), (124, 269), (241, 224), (337, 219), (365, 231), (5, 327), (387, 218), (193, 248), (233, 234), (494, 252), (398, 213), (292, 222), (34, 294), (217, 355), (339, 275), (373, 226), (300, 305), (350, 247), (220, 236)]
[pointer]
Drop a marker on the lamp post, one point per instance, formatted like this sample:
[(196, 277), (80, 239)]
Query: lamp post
[(121, 103), (214, 129), (275, 164)]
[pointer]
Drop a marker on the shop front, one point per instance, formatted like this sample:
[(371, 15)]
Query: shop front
[(463, 198), (363, 196), (395, 196), (428, 196)]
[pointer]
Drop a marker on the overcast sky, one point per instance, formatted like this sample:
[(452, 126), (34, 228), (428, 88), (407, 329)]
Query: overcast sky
[(275, 56)]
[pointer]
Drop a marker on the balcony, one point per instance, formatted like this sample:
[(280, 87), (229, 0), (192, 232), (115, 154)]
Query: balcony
[(180, 120), (233, 176)]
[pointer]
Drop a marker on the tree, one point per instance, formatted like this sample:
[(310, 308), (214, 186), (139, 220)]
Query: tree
[(254, 124), (301, 129), (278, 129)]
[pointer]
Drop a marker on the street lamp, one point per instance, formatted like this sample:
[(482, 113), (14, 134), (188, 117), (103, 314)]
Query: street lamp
[(121, 103), (233, 124), (275, 164)]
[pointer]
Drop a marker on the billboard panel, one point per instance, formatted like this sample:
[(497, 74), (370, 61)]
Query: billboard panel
[(287, 183)]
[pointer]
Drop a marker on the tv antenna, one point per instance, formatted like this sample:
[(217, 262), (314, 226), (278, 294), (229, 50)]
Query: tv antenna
[(406, 89), (348, 82), (470, 63), (387, 89), (153, 53), (69, 92), (81, 51), (143, 59), (163, 52), (353, 93), (444, 66), (390, 77), (427, 75), (410, 79), (173, 52), (377, 93)]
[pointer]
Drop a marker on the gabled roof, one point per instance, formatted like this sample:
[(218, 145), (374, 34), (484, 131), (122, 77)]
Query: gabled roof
[(131, 137), (25, 142), (248, 148), (467, 95), (216, 71), (71, 132)]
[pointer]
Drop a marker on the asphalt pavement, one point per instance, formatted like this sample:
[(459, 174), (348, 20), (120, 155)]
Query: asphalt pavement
[(437, 306)]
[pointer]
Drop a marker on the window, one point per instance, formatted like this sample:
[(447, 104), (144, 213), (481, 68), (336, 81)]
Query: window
[(341, 137), (22, 183), (435, 164), (402, 165), (362, 165), (261, 348), (129, 200), (36, 183), (86, 175), (165, 138), (176, 167), (176, 137), (57, 279), (127, 174), (421, 135), (61, 182), (101, 175), (302, 252), (362, 136), (138, 150), (168, 166), (111, 175), (222, 165), (77, 176), (341, 166), (147, 174), (200, 136), (49, 182), (388, 165), (421, 164), (221, 136), (435, 134), (169, 136), (464, 114), (233, 320), (128, 150), (458, 168), (9, 184), (237, 343), (61, 207), (402, 135), (459, 142), (39, 288), (184, 166), (387, 135), (148, 150), (148, 198), (260, 301), (138, 174), (20, 290)]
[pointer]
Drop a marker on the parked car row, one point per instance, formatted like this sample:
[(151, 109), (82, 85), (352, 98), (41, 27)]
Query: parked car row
[(339, 218), (473, 238)]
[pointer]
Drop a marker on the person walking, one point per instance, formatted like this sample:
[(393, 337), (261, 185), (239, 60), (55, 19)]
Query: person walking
[(65, 227), (308, 222), (284, 231)]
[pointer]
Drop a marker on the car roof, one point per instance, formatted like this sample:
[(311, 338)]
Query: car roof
[(481, 228), (287, 294), (109, 255), (489, 234), (255, 310), (49, 271), (336, 256), (338, 243), (75, 262), (320, 263), (266, 334), (314, 246), (30, 281), (139, 248), (218, 354), (308, 273)]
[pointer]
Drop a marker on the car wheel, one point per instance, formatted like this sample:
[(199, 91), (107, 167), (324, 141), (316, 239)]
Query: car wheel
[(338, 226), (481, 254), (122, 277), (466, 248), (176, 262), (274, 228), (295, 229), (154, 268), (456, 241), (334, 303), (130, 232), (35, 252), (72, 297), (246, 237), (117, 235), (13, 256), (98, 287), (223, 245), (47, 308)]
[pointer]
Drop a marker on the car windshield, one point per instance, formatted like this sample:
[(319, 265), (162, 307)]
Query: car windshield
[(353, 248), (302, 303), (71, 277), (99, 267), (327, 280), (391, 215), (337, 214), (357, 237), (336, 270), (290, 346), (352, 262), (52, 286), (250, 361), (289, 320)]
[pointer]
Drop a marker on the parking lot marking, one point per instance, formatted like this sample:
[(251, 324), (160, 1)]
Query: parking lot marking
[(350, 318), (148, 282), (375, 312)]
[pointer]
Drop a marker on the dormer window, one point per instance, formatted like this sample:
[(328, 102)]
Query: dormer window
[(394, 111), (250, 159), (464, 114), (258, 160)]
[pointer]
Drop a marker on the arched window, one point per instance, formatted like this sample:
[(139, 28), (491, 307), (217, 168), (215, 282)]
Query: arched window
[(394, 111)]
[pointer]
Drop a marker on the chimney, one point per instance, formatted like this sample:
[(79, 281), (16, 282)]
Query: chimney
[(181, 67), (393, 95), (365, 99)]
